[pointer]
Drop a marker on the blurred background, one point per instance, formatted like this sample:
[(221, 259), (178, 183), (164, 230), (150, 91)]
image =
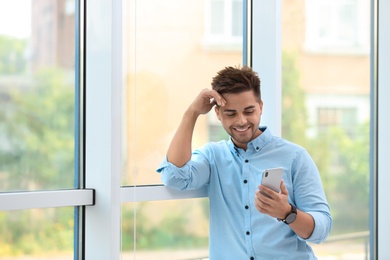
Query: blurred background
[(172, 49)]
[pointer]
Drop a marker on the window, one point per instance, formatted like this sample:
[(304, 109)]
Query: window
[(19, 208), (37, 95), (39, 129), (344, 111), (165, 67), (175, 71), (223, 25), (342, 117), (337, 26), (326, 109)]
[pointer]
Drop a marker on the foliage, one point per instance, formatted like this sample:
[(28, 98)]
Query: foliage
[(36, 231), (294, 113), (342, 160), (12, 52), (39, 134), (36, 152), (170, 232), (350, 180)]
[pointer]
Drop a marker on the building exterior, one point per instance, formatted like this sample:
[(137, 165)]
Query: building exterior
[(52, 34)]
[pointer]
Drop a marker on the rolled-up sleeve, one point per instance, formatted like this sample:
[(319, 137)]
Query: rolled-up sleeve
[(322, 227), (310, 196), (193, 175)]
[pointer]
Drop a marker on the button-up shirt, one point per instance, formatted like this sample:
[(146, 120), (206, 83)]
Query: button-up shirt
[(237, 229)]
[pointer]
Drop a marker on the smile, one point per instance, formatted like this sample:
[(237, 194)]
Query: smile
[(241, 129)]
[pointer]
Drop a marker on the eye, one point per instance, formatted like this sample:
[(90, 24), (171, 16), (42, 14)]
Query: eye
[(231, 115), (249, 112)]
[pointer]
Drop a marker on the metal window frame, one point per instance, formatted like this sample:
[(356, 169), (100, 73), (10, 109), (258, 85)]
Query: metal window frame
[(46, 199), (380, 139), (266, 58), (79, 150)]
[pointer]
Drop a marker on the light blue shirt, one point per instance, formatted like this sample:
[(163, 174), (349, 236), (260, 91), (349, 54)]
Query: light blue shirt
[(237, 229)]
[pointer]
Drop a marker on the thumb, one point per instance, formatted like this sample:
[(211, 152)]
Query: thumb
[(283, 188)]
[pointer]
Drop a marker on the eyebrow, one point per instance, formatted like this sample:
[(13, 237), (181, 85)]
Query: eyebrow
[(233, 110)]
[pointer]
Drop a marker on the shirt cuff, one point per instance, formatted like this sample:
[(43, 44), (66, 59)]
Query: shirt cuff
[(173, 176), (322, 227)]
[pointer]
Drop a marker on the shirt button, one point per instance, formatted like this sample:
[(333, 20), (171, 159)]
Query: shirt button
[(245, 181), (246, 207), (248, 233), (252, 258), (246, 161)]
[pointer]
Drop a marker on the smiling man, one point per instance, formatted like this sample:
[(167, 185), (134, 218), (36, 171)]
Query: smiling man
[(244, 222)]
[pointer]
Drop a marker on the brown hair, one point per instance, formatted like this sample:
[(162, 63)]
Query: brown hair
[(236, 80)]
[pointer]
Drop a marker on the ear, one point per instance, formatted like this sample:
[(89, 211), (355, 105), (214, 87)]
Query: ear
[(261, 107), (216, 109)]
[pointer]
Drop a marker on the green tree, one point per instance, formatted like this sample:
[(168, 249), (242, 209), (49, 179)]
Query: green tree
[(37, 152), (294, 113), (38, 126), (171, 232), (12, 55), (342, 160), (350, 179), (294, 116)]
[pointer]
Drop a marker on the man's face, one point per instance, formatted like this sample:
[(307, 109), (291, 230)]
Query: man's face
[(241, 117)]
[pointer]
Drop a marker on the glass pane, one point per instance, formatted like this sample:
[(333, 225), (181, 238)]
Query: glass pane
[(169, 61), (326, 105), (217, 22), (237, 19), (37, 234), (37, 40), (178, 231)]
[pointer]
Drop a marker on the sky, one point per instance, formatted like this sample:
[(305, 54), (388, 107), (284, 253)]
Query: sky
[(15, 18)]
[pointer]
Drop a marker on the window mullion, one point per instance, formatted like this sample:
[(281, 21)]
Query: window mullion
[(103, 127)]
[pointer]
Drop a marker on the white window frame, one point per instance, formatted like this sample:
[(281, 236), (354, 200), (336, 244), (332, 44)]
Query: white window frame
[(267, 59), (380, 228)]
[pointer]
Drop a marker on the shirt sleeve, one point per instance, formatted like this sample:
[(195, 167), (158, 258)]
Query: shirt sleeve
[(193, 175), (309, 196), (322, 227)]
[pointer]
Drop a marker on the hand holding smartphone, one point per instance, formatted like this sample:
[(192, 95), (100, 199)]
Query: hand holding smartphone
[(272, 178)]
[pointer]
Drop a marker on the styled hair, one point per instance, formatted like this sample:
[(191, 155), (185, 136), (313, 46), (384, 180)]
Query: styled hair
[(236, 80)]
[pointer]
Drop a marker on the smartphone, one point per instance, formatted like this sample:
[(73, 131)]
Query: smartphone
[(272, 177)]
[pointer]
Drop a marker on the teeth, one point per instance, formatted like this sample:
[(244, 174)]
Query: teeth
[(241, 129)]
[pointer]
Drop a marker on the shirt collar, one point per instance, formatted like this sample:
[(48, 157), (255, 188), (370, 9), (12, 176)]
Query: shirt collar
[(256, 144)]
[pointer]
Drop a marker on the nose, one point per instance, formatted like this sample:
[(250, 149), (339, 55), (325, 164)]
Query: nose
[(241, 119)]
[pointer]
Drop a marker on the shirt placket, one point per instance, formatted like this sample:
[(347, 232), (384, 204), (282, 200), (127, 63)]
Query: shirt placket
[(247, 203)]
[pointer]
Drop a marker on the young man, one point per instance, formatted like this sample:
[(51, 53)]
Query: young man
[(244, 222)]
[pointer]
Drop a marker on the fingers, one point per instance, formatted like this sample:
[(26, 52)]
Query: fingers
[(262, 198), (214, 96), (219, 100), (263, 202), (267, 192), (258, 201), (270, 202), (283, 188)]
